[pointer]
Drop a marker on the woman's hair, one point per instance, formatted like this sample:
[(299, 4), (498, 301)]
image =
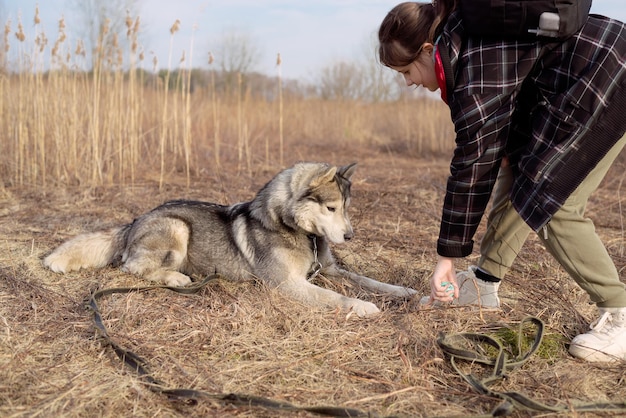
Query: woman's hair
[(407, 27)]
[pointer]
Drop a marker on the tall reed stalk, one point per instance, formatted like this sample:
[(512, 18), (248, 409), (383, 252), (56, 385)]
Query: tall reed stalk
[(165, 116), (21, 133), (94, 121), (70, 121), (39, 107), (239, 121), (280, 110), (134, 105), (187, 125), (214, 113)]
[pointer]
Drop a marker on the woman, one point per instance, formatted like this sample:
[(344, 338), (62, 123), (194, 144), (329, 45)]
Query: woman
[(545, 119)]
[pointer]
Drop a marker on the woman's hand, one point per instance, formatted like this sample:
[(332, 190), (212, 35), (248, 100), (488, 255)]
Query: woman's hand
[(446, 274)]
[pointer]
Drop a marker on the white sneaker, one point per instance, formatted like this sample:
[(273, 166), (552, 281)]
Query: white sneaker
[(472, 291), (607, 339)]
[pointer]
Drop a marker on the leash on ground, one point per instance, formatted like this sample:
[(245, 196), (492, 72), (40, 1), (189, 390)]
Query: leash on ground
[(191, 396), (458, 347), (475, 348)]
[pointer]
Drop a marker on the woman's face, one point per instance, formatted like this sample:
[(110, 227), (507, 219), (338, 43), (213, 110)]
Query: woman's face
[(421, 72)]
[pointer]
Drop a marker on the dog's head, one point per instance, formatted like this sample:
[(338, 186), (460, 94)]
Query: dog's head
[(322, 197)]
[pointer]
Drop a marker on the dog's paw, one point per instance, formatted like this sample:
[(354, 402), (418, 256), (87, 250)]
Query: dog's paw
[(56, 263), (166, 277), (176, 279), (398, 291), (363, 308)]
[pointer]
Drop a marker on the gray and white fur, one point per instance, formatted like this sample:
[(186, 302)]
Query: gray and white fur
[(279, 237)]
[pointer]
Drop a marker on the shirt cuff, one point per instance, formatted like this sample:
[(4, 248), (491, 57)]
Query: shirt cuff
[(454, 250)]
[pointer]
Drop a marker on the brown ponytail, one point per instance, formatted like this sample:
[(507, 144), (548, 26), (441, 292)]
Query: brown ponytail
[(407, 27)]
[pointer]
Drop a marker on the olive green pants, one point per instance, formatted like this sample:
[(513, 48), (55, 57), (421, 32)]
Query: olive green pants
[(569, 237)]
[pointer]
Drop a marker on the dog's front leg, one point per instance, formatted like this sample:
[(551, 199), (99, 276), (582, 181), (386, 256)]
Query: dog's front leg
[(370, 284), (310, 294)]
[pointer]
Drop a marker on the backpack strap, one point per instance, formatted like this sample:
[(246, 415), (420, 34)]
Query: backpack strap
[(447, 68)]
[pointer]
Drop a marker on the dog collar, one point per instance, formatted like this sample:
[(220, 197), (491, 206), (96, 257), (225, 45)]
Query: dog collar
[(316, 266)]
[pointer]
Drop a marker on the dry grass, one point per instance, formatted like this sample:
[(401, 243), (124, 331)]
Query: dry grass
[(243, 338)]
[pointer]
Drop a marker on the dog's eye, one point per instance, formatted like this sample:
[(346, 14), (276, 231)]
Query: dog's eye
[(331, 209)]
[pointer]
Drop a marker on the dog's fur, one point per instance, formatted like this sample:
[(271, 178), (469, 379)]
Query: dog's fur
[(280, 237)]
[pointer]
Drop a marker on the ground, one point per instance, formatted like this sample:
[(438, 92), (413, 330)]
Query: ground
[(244, 338)]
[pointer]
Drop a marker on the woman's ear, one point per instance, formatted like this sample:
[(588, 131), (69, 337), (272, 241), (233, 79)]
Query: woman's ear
[(428, 47)]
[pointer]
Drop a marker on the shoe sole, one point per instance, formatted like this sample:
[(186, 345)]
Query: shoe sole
[(591, 355)]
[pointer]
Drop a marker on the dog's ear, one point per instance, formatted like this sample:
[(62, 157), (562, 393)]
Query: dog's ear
[(325, 177), (347, 171)]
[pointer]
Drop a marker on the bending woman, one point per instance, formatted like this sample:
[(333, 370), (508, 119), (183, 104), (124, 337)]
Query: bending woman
[(538, 124)]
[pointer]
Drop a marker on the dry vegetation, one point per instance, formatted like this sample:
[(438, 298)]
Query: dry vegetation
[(81, 152)]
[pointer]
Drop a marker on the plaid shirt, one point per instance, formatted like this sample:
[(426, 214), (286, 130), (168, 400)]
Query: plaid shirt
[(554, 129)]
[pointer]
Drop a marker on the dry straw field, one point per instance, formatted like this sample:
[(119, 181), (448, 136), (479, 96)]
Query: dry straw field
[(81, 151)]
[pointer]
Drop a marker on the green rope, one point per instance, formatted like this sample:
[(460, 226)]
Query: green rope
[(191, 396), (454, 346)]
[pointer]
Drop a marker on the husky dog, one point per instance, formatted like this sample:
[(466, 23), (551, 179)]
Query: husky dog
[(280, 237)]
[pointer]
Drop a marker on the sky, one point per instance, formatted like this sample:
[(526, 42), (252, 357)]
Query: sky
[(309, 34)]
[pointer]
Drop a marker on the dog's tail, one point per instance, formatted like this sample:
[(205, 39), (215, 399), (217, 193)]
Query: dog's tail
[(92, 250)]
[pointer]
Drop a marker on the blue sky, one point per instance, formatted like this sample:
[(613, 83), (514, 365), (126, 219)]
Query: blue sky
[(309, 34)]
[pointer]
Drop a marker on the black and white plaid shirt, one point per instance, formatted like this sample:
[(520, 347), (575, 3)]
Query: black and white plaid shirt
[(554, 130)]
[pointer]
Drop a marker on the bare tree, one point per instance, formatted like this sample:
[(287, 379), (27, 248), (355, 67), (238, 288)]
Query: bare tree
[(103, 24), (237, 54), (379, 83), (341, 81), (362, 78)]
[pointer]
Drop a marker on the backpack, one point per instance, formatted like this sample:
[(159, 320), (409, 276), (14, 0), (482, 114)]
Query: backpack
[(525, 19)]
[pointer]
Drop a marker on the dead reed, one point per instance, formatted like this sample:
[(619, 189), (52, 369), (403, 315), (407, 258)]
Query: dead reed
[(67, 123)]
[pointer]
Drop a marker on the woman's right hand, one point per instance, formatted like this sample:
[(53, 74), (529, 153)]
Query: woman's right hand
[(444, 273)]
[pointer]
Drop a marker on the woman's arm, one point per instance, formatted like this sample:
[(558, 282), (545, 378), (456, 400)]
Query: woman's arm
[(481, 124)]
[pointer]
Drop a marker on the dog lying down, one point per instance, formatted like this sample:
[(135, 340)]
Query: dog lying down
[(280, 237)]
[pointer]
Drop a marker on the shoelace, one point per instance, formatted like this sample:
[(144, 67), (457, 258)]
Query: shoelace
[(598, 324), (609, 323)]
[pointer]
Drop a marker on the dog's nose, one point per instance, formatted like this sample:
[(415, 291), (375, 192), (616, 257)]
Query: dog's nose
[(348, 236)]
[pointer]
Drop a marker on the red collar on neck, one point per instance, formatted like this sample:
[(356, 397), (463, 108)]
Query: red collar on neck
[(441, 77)]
